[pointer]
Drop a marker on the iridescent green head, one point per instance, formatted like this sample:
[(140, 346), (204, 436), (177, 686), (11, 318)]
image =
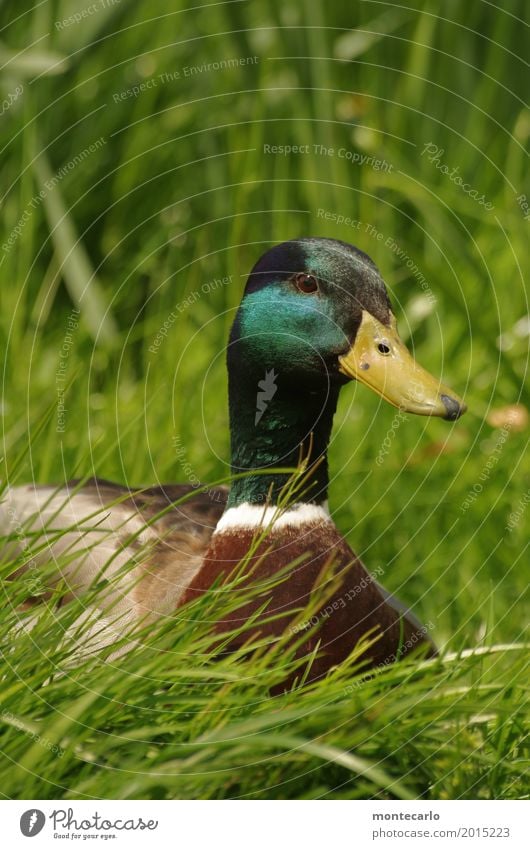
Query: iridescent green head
[(302, 306), (316, 314), (318, 310)]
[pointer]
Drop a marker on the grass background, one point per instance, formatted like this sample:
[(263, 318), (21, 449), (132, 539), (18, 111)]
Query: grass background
[(179, 192)]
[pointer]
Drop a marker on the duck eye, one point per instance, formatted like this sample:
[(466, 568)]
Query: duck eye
[(306, 283), (383, 348)]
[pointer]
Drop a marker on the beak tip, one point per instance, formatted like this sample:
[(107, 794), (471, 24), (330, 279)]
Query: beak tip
[(454, 408)]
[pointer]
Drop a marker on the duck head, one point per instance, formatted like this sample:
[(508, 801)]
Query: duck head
[(317, 311)]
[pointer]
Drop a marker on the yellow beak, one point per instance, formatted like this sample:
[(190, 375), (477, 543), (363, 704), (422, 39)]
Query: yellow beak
[(379, 359)]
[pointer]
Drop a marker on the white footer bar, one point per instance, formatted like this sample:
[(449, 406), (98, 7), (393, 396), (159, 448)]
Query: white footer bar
[(265, 824)]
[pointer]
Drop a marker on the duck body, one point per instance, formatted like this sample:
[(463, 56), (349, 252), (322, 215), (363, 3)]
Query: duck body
[(183, 550), (315, 315)]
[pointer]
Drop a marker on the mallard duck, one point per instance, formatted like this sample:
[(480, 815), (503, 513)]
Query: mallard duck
[(315, 315)]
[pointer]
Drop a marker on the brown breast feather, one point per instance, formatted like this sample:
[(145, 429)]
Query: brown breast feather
[(353, 603)]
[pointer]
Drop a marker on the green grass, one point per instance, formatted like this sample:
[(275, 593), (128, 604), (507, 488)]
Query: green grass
[(179, 193)]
